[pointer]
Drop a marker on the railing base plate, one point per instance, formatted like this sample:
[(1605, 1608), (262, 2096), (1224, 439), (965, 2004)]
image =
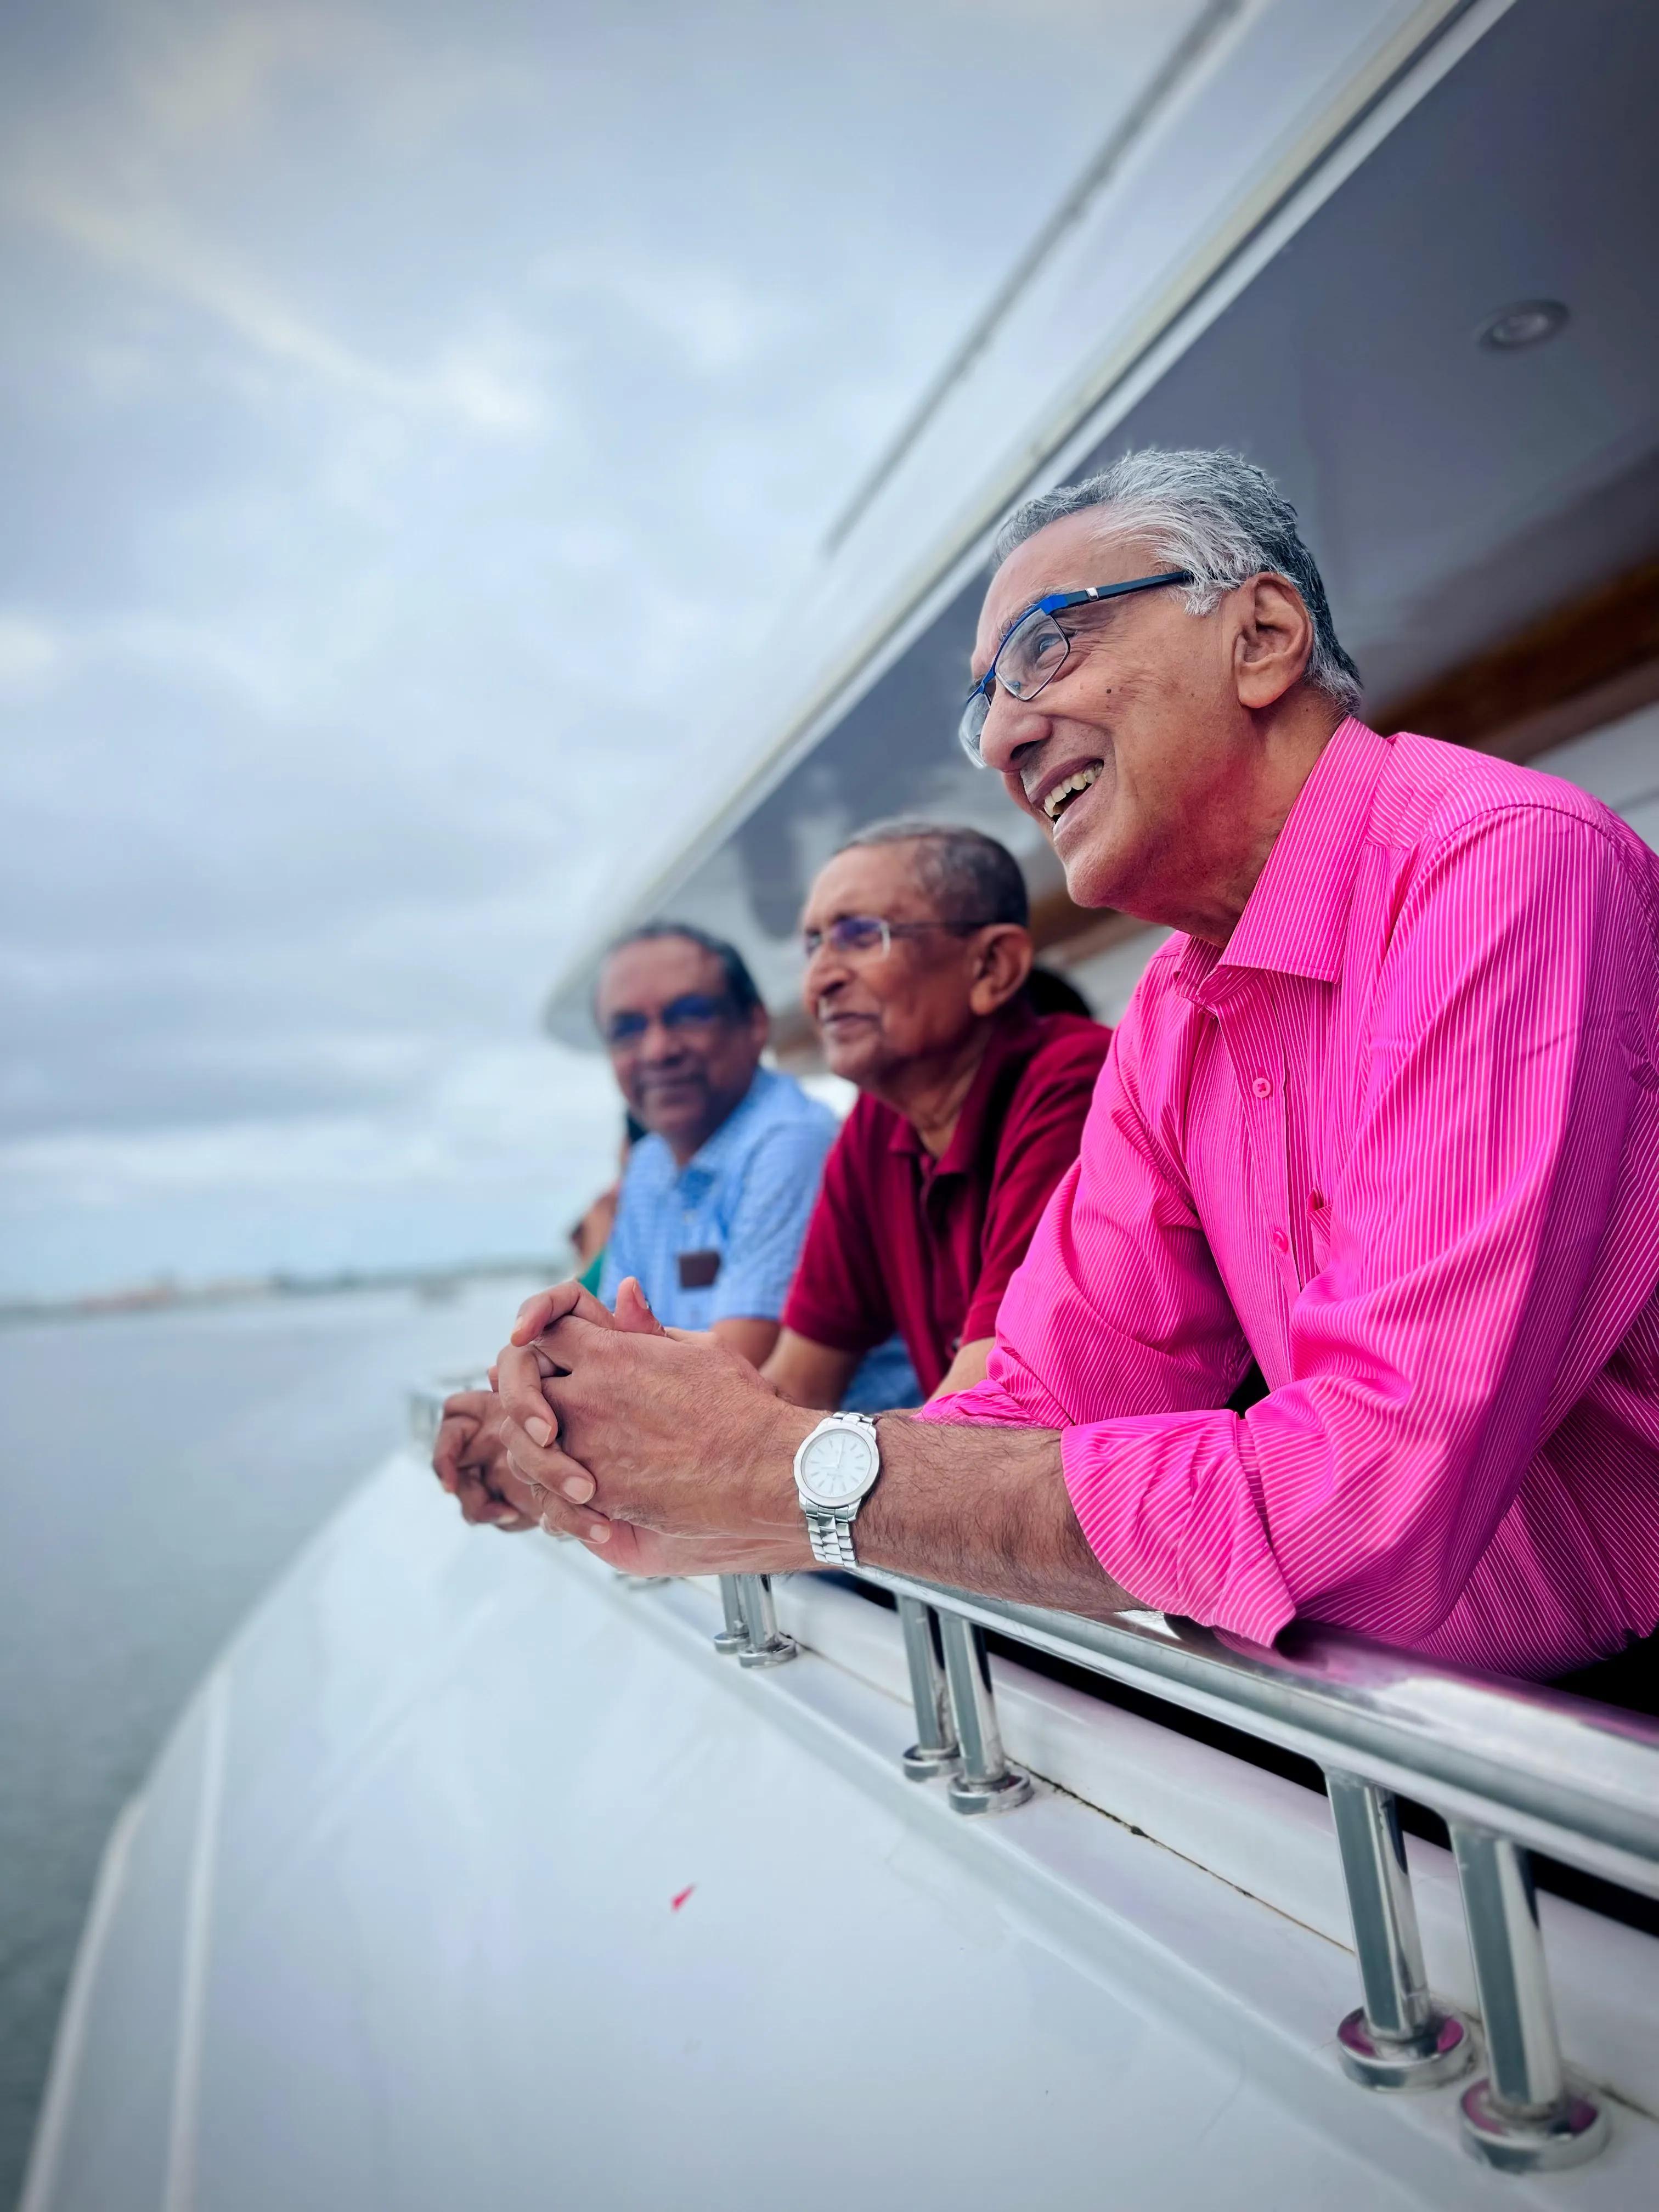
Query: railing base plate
[(769, 1655), (925, 1763), (1001, 1796), (1518, 2145), (1378, 2065)]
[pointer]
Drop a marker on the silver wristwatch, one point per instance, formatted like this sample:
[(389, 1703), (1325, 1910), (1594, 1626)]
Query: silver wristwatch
[(836, 1470)]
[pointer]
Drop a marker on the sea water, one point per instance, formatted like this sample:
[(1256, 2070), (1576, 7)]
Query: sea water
[(157, 1471)]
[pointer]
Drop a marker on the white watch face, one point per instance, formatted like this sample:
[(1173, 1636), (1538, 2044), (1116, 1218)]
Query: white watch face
[(838, 1465)]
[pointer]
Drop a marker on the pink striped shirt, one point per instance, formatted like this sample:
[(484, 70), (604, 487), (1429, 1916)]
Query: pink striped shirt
[(1400, 1141)]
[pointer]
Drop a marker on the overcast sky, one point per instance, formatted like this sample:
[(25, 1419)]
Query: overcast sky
[(410, 414)]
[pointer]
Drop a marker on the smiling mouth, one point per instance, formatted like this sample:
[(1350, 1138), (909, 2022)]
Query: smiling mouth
[(1055, 802)]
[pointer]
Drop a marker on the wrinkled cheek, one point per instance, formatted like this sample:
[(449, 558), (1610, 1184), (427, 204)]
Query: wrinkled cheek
[(1095, 864)]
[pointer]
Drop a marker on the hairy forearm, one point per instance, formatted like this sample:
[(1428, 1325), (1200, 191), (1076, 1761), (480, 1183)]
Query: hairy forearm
[(983, 1509)]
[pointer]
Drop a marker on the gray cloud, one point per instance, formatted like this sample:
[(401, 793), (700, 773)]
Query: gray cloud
[(417, 414)]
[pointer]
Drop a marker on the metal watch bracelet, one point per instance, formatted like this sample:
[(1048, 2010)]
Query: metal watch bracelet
[(830, 1535)]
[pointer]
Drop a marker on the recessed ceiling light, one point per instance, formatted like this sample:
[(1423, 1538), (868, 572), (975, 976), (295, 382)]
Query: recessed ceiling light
[(1527, 323)]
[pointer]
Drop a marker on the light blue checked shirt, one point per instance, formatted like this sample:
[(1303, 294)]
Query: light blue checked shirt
[(746, 1195)]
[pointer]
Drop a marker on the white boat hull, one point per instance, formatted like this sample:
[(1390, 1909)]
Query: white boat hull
[(475, 1877)]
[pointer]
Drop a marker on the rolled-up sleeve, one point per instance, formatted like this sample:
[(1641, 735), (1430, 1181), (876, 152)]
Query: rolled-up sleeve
[(1118, 1302), (1469, 1294)]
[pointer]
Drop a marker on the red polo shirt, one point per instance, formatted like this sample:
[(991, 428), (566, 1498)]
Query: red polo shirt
[(901, 1240)]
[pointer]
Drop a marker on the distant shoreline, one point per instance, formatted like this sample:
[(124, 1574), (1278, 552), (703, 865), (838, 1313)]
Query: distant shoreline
[(167, 1297)]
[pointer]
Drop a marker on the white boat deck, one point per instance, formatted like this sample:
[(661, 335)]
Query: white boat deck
[(474, 1876)]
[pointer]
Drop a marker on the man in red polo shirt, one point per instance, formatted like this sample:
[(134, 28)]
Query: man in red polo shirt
[(973, 1106)]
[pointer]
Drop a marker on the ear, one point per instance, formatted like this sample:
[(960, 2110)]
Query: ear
[(1273, 641), (1002, 961), (760, 1027)]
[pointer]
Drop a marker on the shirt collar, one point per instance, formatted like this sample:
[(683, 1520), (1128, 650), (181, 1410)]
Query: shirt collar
[(1018, 1032), (1295, 920), (714, 1153)]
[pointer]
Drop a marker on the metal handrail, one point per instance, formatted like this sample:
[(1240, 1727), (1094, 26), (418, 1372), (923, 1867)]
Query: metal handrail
[(1512, 1768), (1559, 1773), (1556, 1772)]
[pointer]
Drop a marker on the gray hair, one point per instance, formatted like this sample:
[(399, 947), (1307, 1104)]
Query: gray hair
[(969, 876), (1213, 513)]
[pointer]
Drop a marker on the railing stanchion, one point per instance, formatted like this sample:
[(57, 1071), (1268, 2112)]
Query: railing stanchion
[(1524, 2115), (987, 1784), (767, 1645), (734, 1637), (935, 1751), (1398, 2039)]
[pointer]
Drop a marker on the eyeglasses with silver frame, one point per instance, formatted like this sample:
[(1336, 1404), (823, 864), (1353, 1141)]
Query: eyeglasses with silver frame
[(866, 936)]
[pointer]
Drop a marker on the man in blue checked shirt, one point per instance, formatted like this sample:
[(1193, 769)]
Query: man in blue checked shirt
[(716, 1195)]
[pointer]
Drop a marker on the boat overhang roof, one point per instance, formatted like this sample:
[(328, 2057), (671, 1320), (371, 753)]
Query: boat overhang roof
[(1290, 247)]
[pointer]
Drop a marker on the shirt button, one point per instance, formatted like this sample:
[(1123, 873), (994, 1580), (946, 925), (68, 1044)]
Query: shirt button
[(1262, 1088), (1280, 1241)]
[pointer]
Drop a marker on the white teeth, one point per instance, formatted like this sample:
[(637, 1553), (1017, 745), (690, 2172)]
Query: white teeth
[(1062, 791)]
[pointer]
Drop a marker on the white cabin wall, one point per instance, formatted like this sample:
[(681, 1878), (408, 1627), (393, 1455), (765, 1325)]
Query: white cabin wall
[(1620, 765)]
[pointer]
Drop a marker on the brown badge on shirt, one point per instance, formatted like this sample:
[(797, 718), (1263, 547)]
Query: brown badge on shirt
[(698, 1269)]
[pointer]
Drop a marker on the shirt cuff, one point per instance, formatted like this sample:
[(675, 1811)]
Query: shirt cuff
[(988, 1404), (754, 1296), (1169, 1510)]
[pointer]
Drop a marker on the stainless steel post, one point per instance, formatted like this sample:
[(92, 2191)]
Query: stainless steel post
[(987, 1783), (1398, 2039), (1525, 2115), (767, 1645), (734, 1637), (935, 1750)]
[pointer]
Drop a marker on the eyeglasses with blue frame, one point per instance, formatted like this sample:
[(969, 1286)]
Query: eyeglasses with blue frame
[(1035, 648), (692, 1010)]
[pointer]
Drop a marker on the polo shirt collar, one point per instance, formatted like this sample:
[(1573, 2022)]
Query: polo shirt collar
[(1017, 1030), (1295, 920), (714, 1153)]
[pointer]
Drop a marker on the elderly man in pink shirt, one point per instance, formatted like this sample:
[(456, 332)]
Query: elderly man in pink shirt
[(1384, 1114)]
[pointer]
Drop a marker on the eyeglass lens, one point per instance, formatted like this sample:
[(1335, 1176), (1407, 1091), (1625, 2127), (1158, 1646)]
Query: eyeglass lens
[(1032, 654), (849, 933)]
